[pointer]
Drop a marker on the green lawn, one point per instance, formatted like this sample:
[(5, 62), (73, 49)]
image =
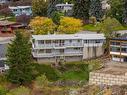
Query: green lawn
[(50, 72), (91, 27), (77, 71), (9, 18), (121, 28), (75, 75), (12, 19), (70, 71)]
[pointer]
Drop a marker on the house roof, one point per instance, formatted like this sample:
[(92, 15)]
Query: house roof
[(19, 7), (17, 26), (68, 36), (57, 5), (4, 23), (123, 37), (122, 32)]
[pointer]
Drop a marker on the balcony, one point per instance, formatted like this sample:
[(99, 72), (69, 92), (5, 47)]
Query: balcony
[(36, 55), (93, 44), (68, 54), (118, 53), (74, 45)]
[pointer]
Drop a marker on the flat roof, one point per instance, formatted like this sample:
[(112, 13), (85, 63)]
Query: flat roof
[(121, 31), (64, 5), (68, 36), (19, 7)]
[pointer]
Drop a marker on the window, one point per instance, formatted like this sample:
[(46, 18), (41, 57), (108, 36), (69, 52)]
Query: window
[(33, 40), (116, 56), (115, 49), (85, 41), (78, 40), (41, 42), (41, 51), (76, 48), (48, 51), (115, 43), (56, 41), (124, 50), (15, 10), (61, 50), (97, 41), (70, 41), (48, 41)]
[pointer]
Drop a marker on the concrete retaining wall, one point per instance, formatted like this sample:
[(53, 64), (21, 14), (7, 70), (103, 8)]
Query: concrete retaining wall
[(52, 60), (92, 52), (107, 79)]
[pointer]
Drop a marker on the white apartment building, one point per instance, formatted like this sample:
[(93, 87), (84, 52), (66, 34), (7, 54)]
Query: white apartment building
[(19, 10), (71, 47)]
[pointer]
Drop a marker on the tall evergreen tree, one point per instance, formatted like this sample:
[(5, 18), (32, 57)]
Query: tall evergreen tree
[(39, 7), (96, 9), (81, 9), (52, 7), (19, 60), (116, 10)]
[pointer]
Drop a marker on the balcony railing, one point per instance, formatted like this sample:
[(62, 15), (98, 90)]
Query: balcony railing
[(57, 54), (118, 53), (42, 55), (123, 46), (93, 44), (59, 45)]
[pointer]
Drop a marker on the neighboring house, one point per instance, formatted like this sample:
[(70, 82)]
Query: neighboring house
[(105, 5), (4, 1), (66, 8), (9, 27), (120, 32), (3, 66), (67, 47), (118, 48), (19, 10)]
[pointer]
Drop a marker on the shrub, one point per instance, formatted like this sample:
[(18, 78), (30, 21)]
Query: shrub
[(41, 82), (75, 71), (3, 91), (50, 73), (20, 91)]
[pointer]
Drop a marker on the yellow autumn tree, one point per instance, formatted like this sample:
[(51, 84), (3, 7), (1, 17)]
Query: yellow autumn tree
[(42, 25), (69, 25)]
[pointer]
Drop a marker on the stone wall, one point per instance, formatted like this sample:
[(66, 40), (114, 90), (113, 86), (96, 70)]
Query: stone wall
[(107, 79)]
